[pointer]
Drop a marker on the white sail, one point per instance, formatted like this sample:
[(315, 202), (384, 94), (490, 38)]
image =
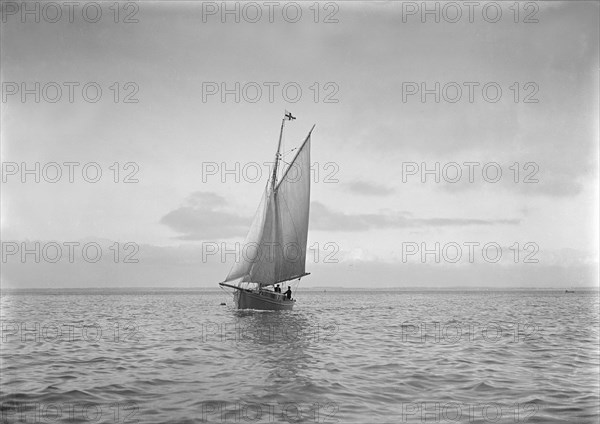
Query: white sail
[(292, 197), (247, 257), (275, 247)]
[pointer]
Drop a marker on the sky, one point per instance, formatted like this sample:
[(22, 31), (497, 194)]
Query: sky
[(505, 95)]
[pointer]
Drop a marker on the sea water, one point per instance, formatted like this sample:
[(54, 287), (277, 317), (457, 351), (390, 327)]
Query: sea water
[(179, 356)]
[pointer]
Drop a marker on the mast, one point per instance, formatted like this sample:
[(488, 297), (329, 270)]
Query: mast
[(274, 179), (273, 183)]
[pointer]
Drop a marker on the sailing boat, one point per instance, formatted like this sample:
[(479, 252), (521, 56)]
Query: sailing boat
[(275, 247)]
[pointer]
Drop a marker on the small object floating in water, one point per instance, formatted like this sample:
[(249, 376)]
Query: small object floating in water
[(569, 291), (223, 303)]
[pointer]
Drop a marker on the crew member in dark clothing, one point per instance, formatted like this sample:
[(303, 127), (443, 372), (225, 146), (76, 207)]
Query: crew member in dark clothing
[(288, 293), (277, 289)]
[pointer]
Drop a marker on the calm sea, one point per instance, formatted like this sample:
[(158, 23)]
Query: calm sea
[(177, 356)]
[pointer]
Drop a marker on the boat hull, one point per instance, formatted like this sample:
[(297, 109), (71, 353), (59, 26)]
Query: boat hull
[(263, 300)]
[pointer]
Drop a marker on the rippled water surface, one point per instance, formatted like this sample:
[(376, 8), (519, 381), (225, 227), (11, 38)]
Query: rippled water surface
[(342, 356)]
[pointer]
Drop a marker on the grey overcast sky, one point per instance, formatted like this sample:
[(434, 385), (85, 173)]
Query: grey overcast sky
[(361, 68)]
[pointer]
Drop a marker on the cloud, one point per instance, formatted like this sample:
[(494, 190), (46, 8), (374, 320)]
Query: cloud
[(204, 216), (193, 266), (323, 218), (369, 189)]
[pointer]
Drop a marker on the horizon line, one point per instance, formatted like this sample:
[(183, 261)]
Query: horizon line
[(412, 288)]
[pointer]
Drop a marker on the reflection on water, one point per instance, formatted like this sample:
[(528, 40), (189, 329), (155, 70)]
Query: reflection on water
[(363, 357)]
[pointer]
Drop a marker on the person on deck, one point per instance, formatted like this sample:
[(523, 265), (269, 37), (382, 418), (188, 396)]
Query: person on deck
[(277, 289), (288, 293)]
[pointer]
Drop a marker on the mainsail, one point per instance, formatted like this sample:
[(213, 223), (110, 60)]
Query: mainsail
[(275, 247)]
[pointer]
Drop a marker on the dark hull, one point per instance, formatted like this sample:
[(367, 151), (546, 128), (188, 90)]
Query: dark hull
[(246, 299)]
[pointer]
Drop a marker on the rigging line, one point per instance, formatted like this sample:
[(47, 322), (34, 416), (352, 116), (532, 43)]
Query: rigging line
[(297, 153), (289, 151), (221, 287), (293, 160)]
